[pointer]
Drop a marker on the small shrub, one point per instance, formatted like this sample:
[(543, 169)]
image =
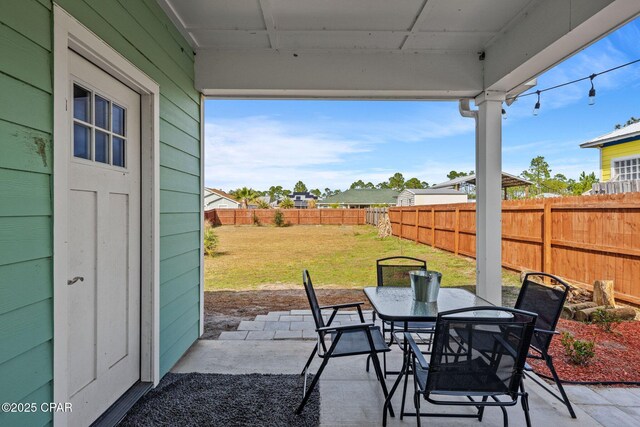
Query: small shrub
[(606, 320), (256, 220), (580, 352), (334, 205), (210, 239), (278, 218)]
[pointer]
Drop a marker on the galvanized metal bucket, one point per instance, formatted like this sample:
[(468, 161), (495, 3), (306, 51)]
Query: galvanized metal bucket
[(425, 285)]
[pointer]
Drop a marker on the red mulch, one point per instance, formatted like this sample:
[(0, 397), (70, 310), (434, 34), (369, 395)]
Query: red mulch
[(617, 353)]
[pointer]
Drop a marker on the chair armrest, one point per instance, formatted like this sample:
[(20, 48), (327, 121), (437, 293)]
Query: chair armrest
[(346, 305), (416, 351), (544, 331), (363, 326)]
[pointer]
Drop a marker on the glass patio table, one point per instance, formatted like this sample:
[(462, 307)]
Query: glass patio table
[(396, 304)]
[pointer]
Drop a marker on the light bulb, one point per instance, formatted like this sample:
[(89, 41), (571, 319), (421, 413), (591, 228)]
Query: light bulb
[(592, 96), (504, 114), (536, 109)]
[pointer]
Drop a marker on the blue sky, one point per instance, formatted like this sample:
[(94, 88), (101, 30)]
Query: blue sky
[(333, 143)]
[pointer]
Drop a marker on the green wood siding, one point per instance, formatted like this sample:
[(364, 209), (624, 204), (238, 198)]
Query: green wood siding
[(142, 33), (26, 308)]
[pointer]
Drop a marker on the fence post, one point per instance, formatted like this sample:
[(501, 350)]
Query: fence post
[(234, 217), (400, 225), (433, 227), (546, 237), (456, 236), (298, 216), (417, 230)]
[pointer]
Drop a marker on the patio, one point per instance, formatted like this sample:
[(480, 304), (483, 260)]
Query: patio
[(351, 397)]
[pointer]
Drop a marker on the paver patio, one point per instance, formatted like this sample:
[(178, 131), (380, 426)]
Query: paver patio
[(352, 397)]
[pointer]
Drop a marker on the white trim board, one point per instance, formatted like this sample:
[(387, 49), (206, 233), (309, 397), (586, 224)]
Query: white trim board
[(68, 33), (201, 215)]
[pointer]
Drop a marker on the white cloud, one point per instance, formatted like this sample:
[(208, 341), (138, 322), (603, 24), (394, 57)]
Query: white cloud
[(261, 151)]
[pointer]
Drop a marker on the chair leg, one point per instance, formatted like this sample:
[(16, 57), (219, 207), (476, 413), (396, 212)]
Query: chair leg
[(404, 393), (565, 398), (384, 363), (368, 360), (308, 392), (376, 365), (309, 360), (416, 403), (481, 410), (524, 399)]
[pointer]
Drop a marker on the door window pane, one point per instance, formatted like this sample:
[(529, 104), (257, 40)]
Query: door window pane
[(118, 120), (102, 112), (81, 104), (81, 141), (102, 147), (118, 151)]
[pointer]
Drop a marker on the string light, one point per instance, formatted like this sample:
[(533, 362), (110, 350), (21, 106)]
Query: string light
[(536, 109), (592, 91), (504, 114)]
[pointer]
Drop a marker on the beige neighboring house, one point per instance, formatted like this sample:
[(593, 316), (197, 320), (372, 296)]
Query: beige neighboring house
[(218, 199), (430, 196)]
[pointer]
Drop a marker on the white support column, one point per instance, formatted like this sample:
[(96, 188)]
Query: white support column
[(489, 197)]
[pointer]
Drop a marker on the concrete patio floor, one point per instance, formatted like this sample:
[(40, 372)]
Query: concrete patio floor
[(352, 397)]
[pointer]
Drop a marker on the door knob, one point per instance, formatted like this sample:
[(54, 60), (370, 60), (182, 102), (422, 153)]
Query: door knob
[(74, 280)]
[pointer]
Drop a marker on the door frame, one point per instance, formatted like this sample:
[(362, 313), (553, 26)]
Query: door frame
[(68, 33)]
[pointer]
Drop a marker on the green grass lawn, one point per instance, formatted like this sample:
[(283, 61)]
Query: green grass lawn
[(251, 257)]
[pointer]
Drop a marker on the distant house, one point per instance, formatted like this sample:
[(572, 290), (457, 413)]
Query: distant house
[(218, 199), (301, 199), (430, 196), (361, 198), (619, 159), (467, 184)]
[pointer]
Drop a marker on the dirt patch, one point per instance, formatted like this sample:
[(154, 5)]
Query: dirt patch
[(224, 310)]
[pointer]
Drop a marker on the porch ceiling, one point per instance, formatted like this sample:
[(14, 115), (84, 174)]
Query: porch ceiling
[(381, 48)]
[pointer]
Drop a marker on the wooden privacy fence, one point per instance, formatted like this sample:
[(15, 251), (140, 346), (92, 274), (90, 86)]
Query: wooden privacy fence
[(373, 215), (291, 216), (582, 239)]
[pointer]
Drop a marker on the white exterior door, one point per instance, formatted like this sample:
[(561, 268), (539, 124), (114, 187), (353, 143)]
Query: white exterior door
[(103, 346)]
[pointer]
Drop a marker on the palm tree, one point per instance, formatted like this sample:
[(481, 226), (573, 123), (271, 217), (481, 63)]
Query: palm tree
[(263, 204), (287, 203), (245, 196)]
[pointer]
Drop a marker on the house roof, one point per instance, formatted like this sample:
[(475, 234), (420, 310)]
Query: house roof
[(221, 194), (439, 191), (508, 180), (363, 197), (626, 132)]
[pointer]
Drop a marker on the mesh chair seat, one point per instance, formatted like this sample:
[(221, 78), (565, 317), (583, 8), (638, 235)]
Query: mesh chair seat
[(356, 342), (484, 379)]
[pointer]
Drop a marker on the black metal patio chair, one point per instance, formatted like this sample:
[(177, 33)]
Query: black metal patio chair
[(346, 340), (394, 271), (546, 302), (485, 375)]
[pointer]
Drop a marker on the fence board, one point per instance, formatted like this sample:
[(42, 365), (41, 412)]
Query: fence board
[(582, 239)]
